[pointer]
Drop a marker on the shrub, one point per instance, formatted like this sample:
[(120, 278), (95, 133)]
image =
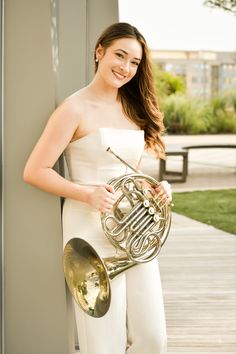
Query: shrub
[(195, 116), (184, 116), (223, 114)]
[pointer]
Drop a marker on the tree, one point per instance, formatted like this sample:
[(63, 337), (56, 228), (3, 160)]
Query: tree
[(227, 5)]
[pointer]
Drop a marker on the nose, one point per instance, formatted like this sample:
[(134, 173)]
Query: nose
[(125, 66)]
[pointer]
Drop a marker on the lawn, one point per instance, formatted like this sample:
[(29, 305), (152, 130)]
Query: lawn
[(212, 207)]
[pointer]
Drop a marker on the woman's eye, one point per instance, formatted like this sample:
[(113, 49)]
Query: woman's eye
[(135, 63), (120, 55)]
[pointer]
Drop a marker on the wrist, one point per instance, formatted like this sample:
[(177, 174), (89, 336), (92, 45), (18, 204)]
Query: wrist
[(83, 194)]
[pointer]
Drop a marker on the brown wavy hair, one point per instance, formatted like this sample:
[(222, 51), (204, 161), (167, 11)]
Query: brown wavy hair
[(138, 97)]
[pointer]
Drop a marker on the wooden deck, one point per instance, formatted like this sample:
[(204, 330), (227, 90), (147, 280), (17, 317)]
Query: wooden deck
[(198, 269)]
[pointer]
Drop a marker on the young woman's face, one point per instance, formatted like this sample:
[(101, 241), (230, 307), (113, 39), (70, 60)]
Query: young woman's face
[(119, 63)]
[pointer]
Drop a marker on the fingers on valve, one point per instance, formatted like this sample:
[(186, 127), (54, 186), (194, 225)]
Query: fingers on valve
[(167, 188), (164, 190), (107, 205)]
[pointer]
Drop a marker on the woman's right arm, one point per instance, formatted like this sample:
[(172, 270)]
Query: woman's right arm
[(39, 170)]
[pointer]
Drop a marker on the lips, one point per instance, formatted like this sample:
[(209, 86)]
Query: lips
[(118, 75)]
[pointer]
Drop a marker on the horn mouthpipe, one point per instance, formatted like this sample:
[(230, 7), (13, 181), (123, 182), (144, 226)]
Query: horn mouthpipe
[(123, 161)]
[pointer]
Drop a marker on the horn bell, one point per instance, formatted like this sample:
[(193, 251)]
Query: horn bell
[(88, 276)]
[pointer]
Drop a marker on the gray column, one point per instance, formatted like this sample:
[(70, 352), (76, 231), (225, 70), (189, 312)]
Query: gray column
[(79, 23), (34, 295)]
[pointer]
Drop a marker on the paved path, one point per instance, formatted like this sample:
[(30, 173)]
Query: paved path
[(198, 268)]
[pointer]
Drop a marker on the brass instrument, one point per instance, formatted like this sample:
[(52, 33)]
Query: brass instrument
[(137, 227)]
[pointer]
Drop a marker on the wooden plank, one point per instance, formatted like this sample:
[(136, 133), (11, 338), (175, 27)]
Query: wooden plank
[(198, 270)]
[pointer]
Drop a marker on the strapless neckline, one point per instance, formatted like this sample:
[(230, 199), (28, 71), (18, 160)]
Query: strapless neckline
[(98, 130), (89, 162)]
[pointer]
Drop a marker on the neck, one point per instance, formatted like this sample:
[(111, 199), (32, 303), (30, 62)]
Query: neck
[(102, 91)]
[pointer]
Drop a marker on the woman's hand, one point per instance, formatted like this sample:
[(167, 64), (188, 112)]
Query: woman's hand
[(163, 191), (102, 198)]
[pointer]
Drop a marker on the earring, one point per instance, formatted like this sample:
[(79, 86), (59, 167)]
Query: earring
[(96, 60)]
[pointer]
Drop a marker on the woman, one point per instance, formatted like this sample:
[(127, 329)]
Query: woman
[(117, 109)]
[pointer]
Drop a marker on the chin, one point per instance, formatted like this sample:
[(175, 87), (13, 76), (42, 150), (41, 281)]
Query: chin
[(119, 84)]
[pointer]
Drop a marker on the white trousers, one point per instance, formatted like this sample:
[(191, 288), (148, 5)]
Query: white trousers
[(135, 322)]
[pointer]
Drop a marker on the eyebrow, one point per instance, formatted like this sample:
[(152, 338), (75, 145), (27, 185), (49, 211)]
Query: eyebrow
[(122, 50)]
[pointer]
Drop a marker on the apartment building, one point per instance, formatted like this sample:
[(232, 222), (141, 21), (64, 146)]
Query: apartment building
[(206, 73)]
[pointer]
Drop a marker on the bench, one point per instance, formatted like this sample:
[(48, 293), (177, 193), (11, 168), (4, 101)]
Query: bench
[(209, 146), (182, 174), (183, 152), (206, 146)]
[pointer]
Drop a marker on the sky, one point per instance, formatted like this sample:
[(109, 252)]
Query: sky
[(180, 24)]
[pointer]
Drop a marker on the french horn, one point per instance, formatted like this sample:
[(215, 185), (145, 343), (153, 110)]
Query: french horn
[(137, 227)]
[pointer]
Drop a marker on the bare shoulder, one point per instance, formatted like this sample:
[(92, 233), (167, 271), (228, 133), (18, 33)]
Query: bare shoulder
[(73, 107), (73, 112)]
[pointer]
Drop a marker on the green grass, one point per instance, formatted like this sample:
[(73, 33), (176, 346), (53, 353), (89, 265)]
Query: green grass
[(212, 207)]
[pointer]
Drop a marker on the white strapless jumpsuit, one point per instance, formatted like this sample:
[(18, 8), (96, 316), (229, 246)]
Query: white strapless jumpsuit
[(135, 322)]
